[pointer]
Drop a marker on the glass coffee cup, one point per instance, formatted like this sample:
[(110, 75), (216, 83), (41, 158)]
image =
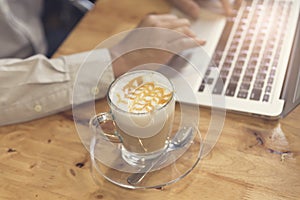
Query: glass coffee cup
[(142, 107)]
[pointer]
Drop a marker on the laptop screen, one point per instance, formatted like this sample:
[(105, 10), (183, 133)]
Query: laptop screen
[(291, 92)]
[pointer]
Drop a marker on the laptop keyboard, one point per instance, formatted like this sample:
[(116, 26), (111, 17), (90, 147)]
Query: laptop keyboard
[(248, 59)]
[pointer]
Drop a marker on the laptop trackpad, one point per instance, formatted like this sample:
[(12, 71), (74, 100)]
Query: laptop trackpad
[(209, 26)]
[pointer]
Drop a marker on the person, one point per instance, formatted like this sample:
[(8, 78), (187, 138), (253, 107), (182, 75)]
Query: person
[(36, 86)]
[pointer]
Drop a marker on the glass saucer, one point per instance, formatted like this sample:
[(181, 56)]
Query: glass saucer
[(107, 162)]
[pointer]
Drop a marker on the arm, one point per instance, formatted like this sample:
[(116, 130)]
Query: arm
[(37, 86)]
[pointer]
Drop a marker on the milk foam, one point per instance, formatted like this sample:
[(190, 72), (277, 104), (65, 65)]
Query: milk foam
[(141, 92), (143, 96)]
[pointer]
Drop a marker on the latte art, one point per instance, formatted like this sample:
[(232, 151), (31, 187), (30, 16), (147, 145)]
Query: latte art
[(147, 97), (140, 95)]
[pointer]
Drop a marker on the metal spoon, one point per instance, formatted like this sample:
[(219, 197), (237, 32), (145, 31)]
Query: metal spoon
[(181, 138)]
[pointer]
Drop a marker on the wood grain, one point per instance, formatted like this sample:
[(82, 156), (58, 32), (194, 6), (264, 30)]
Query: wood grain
[(45, 159)]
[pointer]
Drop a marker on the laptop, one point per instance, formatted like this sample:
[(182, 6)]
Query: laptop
[(250, 62)]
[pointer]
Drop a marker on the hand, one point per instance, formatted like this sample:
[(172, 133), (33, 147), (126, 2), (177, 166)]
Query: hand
[(156, 40), (192, 7)]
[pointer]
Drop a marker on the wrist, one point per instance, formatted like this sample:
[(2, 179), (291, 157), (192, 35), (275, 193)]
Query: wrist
[(119, 64)]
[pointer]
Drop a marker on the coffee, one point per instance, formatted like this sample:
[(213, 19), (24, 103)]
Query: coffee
[(142, 105)]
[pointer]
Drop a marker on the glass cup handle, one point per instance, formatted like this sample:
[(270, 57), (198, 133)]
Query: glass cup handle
[(103, 125)]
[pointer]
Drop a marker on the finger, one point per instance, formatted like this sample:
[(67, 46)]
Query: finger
[(164, 17), (186, 31), (165, 21), (189, 7), (172, 24), (238, 2), (154, 20), (184, 43), (227, 7)]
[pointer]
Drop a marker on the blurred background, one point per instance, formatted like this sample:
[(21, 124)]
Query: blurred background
[(60, 17)]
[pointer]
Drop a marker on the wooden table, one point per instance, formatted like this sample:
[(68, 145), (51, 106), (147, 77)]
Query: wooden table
[(45, 159)]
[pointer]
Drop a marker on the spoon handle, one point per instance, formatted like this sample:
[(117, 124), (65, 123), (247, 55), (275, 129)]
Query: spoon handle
[(180, 140), (135, 178)]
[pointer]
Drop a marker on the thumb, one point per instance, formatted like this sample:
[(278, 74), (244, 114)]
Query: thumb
[(184, 43)]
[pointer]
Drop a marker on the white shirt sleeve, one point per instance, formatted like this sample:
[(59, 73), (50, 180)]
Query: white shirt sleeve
[(38, 86)]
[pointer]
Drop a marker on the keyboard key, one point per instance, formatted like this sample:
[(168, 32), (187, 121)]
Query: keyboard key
[(245, 86), (201, 88), (232, 49), (268, 89), (224, 73), (255, 94), (216, 63), (272, 73), (266, 61), (223, 79), (240, 63), (243, 54), (219, 86), (207, 73), (260, 1), (245, 47), (263, 68), (250, 31), (209, 81), (255, 55), (226, 65), (237, 71), (268, 53), (229, 58), (253, 62), (266, 98), (235, 42), (234, 79), (258, 84), (261, 76), (247, 42), (242, 94), (275, 62), (231, 89), (236, 38), (247, 79), (249, 71), (241, 28), (270, 80), (219, 52)]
